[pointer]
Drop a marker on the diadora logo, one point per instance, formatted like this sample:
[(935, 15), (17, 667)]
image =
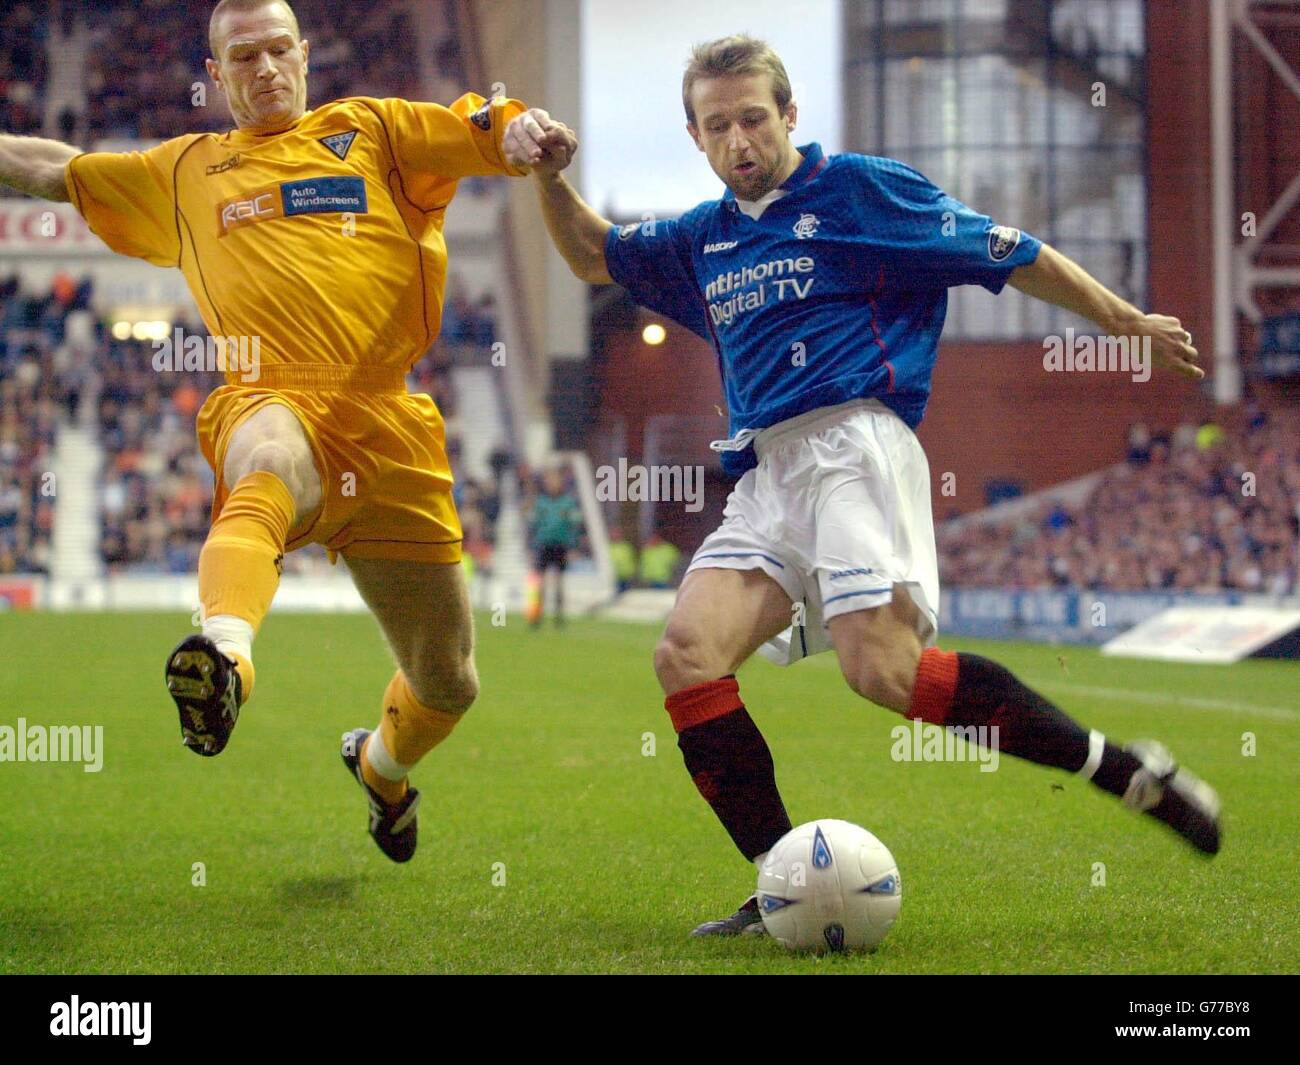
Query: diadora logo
[(722, 245), (840, 574), (806, 226), (340, 143), (223, 166), (1002, 242)]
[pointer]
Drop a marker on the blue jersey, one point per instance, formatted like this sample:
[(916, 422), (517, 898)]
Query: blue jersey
[(837, 291)]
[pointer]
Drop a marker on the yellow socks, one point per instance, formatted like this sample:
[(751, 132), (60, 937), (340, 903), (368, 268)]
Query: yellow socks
[(409, 730), (239, 566)]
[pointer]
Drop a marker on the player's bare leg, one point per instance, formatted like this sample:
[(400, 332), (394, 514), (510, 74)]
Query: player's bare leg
[(273, 482), (423, 609), (721, 617), (882, 660)]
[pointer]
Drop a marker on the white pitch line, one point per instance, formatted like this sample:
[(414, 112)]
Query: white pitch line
[(1189, 701)]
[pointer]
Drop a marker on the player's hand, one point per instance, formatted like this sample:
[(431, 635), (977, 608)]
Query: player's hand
[(1171, 344), (536, 141)]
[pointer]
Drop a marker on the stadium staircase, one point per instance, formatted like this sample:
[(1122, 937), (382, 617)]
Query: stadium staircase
[(74, 548), (66, 85), (482, 427)]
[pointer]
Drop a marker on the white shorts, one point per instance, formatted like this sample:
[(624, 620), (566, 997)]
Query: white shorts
[(837, 512)]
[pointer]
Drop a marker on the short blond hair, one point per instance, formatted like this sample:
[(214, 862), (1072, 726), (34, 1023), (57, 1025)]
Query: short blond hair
[(243, 6), (732, 56)]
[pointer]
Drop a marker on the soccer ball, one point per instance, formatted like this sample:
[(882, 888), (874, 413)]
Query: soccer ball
[(829, 885)]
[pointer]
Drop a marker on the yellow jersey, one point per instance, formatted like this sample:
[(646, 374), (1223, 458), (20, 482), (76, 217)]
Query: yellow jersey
[(323, 240)]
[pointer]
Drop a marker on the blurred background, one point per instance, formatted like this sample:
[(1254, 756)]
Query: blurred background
[(1152, 140)]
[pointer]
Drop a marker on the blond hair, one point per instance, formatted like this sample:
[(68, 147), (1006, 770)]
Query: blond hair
[(243, 6), (731, 56)]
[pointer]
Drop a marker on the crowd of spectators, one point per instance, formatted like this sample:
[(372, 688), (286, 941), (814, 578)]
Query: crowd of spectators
[(1203, 510), (36, 384), (146, 58), (23, 31), (155, 488)]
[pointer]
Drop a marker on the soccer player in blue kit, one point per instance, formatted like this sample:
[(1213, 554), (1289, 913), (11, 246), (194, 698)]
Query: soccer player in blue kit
[(821, 282)]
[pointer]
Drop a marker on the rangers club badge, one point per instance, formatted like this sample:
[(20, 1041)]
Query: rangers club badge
[(806, 226), (1002, 242)]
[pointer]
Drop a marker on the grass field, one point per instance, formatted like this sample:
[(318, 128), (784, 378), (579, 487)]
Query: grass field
[(609, 855)]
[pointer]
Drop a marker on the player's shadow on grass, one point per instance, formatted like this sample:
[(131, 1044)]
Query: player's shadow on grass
[(317, 891)]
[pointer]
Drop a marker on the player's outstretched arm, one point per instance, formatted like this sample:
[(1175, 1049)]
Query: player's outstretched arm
[(35, 166), (537, 142), (1056, 279), (577, 231)]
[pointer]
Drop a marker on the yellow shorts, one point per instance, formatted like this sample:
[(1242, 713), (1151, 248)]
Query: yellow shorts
[(380, 452)]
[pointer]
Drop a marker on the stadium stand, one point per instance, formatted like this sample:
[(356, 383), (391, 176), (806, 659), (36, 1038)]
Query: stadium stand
[(32, 391), (1205, 510), (63, 73), (147, 91), (156, 489), (23, 33)]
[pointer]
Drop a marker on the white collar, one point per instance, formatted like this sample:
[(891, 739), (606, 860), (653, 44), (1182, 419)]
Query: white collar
[(755, 208)]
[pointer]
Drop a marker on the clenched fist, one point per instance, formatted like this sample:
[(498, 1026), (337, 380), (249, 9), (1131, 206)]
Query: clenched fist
[(536, 141)]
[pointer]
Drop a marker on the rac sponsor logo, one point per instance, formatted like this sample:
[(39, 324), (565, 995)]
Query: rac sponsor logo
[(245, 210), (322, 195)]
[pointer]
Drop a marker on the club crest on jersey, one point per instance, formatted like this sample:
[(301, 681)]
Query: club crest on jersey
[(806, 226), (483, 117), (1002, 242), (340, 143)]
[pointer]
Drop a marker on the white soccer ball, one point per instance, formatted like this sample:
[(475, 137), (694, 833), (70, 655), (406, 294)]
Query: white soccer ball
[(829, 885)]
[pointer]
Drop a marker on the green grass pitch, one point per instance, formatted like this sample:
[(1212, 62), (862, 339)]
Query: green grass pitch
[(609, 857)]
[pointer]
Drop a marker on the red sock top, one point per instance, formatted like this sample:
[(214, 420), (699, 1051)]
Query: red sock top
[(703, 702), (936, 681)]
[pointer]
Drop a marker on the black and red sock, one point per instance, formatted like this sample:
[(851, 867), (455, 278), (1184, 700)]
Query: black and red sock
[(959, 690), (730, 763)]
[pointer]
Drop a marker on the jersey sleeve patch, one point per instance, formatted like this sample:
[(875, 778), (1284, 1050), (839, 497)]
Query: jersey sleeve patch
[(1003, 240)]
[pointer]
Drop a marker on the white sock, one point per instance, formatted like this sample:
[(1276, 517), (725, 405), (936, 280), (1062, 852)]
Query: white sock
[(382, 761), (232, 635), (1096, 747)]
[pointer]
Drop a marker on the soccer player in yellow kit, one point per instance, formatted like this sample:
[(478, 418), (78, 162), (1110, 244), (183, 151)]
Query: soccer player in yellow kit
[(320, 234)]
